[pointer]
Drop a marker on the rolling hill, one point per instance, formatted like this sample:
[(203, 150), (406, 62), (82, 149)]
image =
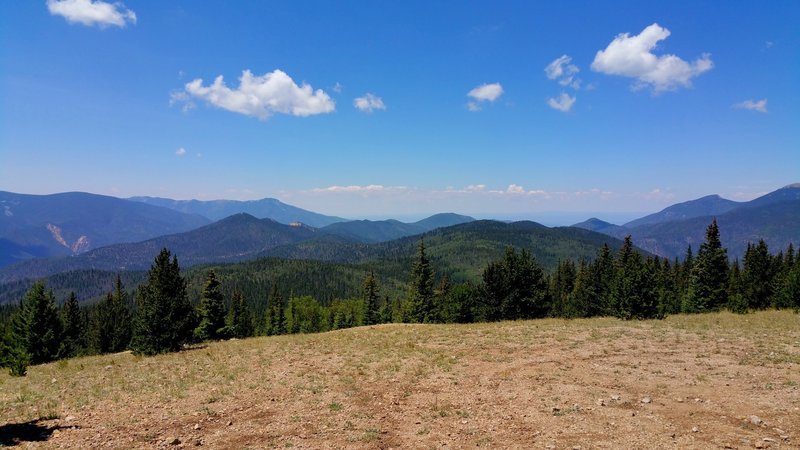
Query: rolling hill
[(369, 231), (266, 208), (235, 238), (302, 259), (72, 223)]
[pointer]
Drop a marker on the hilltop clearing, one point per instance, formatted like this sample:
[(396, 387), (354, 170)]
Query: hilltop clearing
[(699, 381)]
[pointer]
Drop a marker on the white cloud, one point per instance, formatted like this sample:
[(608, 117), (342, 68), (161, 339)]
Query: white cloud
[(564, 71), (486, 92), (563, 103), (631, 56), (369, 103), (337, 87), (483, 93), (355, 189), (753, 105), (180, 152), (92, 12), (515, 189), (260, 96), (473, 107)]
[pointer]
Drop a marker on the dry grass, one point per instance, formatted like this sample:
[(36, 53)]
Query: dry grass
[(514, 384)]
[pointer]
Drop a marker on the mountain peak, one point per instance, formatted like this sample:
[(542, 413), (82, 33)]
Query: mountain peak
[(792, 186)]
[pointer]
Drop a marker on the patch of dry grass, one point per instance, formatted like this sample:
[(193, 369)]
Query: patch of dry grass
[(517, 384)]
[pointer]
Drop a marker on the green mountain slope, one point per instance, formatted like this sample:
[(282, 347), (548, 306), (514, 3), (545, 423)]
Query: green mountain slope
[(371, 231), (76, 222), (327, 266), (235, 238)]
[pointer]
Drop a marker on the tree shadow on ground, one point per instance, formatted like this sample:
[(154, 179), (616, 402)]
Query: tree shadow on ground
[(17, 433)]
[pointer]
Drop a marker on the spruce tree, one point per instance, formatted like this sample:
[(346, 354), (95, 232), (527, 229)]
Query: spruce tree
[(790, 291), (579, 300), (239, 322), (736, 301), (211, 311), (421, 299), (111, 326), (602, 279), (387, 310), (632, 291), (709, 276), (757, 276), (371, 298), (514, 288), (73, 341), (37, 325), (164, 316), (275, 317)]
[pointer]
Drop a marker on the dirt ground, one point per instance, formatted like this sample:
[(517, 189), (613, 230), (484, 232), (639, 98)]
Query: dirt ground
[(706, 381)]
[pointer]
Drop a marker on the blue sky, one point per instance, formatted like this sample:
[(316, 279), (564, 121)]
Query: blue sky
[(119, 99)]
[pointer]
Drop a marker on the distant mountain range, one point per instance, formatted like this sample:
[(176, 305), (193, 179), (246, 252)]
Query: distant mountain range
[(469, 246), (47, 234), (774, 217), (461, 251), (72, 223), (266, 208)]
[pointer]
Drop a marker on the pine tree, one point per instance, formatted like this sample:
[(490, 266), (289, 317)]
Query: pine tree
[(387, 310), (757, 276), (275, 317), (111, 326), (36, 331), (73, 341), (602, 278), (371, 299), (164, 316), (239, 322), (211, 311), (583, 294), (632, 291), (514, 288), (561, 286), (708, 281), (736, 301), (421, 297)]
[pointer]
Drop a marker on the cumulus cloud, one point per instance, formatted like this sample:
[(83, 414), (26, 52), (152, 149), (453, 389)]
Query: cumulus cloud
[(180, 152), (563, 103), (486, 92), (92, 12), (631, 56), (369, 103), (753, 105), (563, 71), (483, 93), (260, 96)]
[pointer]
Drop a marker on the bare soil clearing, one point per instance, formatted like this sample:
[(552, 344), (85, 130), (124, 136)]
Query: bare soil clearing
[(704, 381)]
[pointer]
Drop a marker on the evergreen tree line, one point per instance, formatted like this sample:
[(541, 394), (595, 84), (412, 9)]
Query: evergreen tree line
[(625, 284)]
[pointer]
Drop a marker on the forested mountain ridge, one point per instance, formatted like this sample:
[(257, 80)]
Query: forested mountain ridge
[(235, 238), (265, 208), (369, 231), (773, 217), (72, 223), (461, 251)]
